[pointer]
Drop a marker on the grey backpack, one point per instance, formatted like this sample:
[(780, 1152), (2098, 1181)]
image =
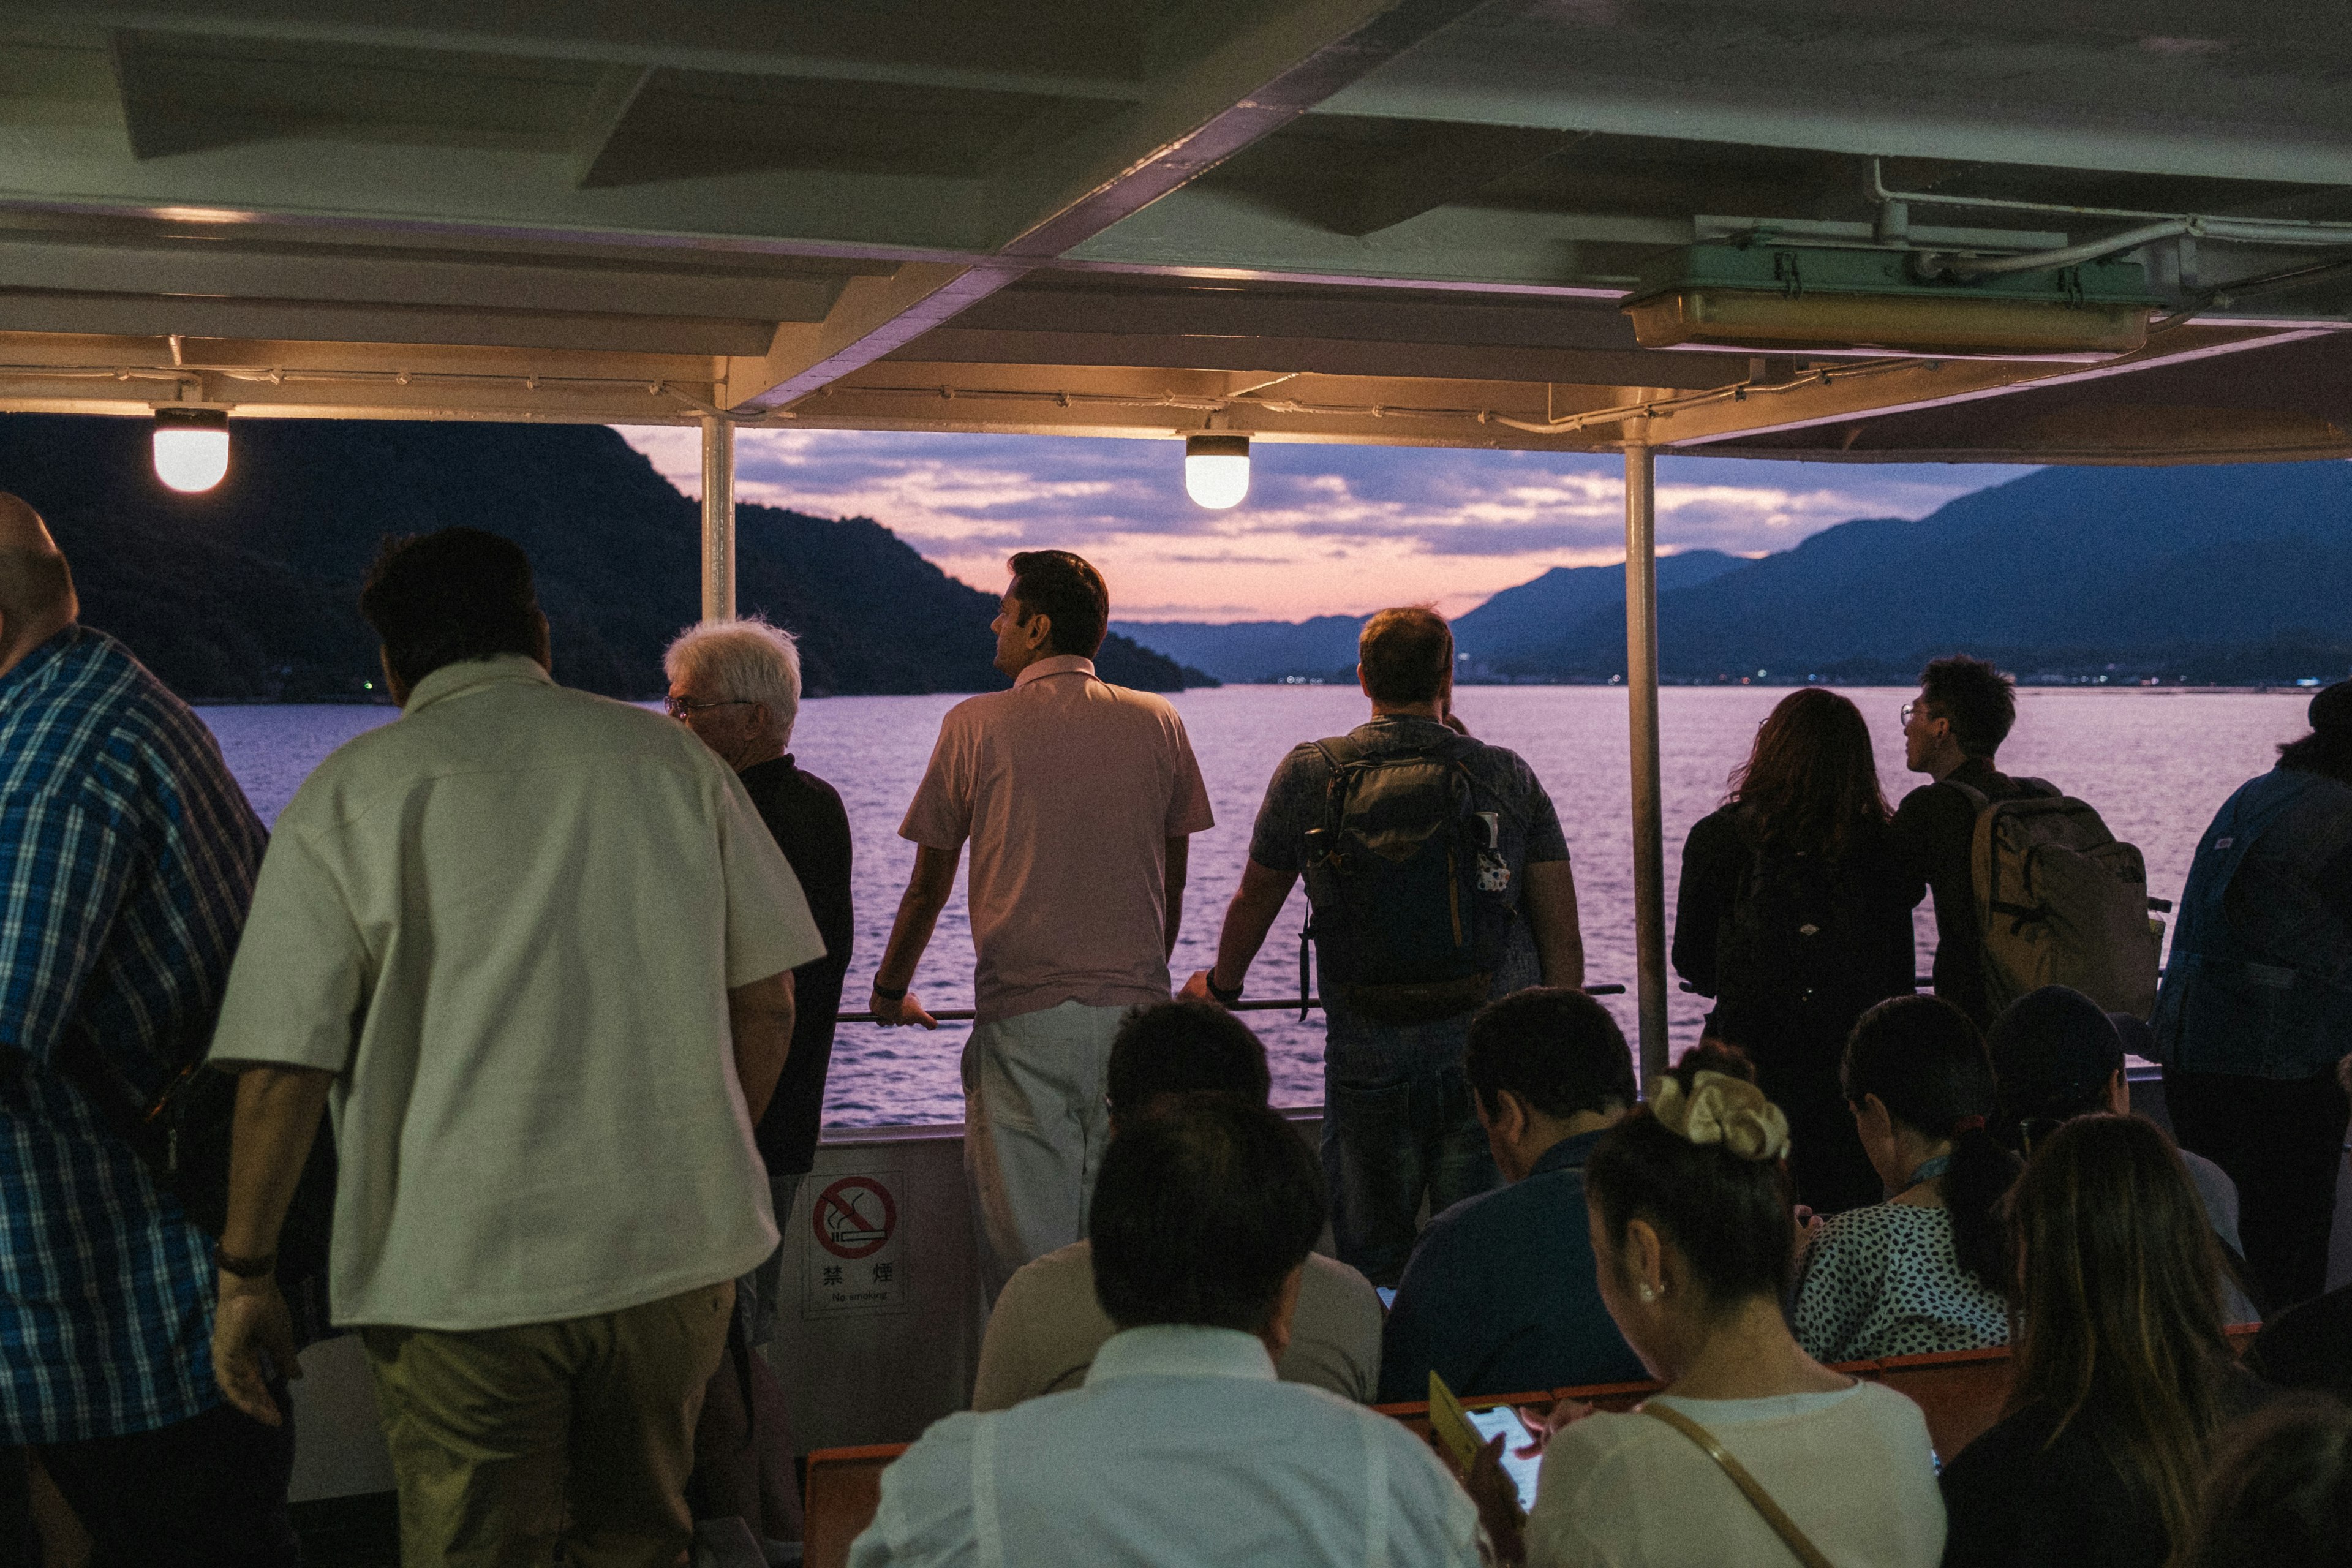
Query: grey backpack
[(2061, 902)]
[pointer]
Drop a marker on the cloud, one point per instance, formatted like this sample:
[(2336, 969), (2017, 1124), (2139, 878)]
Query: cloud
[(1326, 530)]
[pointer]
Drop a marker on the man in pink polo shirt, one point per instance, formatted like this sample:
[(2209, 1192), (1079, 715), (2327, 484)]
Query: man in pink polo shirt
[(1078, 797)]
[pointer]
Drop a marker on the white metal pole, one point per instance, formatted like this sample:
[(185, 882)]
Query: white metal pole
[(717, 519), (1641, 704)]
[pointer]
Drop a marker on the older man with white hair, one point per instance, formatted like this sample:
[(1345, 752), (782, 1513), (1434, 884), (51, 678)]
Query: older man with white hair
[(737, 685)]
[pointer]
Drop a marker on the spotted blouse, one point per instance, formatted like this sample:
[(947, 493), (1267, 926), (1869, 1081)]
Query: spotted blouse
[(1887, 1280)]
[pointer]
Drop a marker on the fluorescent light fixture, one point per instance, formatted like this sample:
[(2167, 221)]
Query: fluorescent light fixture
[(191, 447), (1765, 299), (1216, 470)]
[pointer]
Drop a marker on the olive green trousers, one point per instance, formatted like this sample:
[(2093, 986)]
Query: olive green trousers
[(507, 1441)]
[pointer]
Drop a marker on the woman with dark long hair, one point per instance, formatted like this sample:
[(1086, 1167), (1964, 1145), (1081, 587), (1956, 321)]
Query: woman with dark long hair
[(1793, 916), (2123, 1377), (1923, 1271)]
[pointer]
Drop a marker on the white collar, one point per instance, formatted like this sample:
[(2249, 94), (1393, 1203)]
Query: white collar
[(1181, 1350), (465, 674)]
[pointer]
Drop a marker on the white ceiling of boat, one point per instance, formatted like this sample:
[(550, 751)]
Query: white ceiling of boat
[(1404, 221)]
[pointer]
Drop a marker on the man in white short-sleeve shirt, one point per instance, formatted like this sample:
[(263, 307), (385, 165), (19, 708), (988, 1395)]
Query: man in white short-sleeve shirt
[(536, 949), (1181, 1447)]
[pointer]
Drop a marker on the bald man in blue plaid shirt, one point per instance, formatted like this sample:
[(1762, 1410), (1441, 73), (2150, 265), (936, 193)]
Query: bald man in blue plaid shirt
[(127, 859)]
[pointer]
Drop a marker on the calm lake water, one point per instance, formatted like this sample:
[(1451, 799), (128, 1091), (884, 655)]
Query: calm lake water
[(2156, 764)]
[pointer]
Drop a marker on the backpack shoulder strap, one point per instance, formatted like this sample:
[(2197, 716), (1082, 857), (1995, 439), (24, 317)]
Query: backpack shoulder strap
[(1339, 750), (1978, 799), (1749, 1487)]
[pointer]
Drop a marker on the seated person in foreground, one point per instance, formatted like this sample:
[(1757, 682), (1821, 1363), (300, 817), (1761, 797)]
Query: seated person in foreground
[(1047, 1324), (1183, 1448), (1922, 1271), (2058, 1057), (1499, 1296), (2280, 1494), (2124, 1379), (1690, 1210)]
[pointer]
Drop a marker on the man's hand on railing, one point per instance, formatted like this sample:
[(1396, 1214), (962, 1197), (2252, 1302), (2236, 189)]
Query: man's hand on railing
[(905, 1008), (1195, 989)]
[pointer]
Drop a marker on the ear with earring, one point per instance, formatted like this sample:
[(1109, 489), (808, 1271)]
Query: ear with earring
[(1647, 1293)]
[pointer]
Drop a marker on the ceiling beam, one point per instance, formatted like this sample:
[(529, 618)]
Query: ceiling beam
[(1447, 166), (156, 317), (230, 271), (1261, 79), (1292, 58), (1836, 395), (619, 87), (1294, 353), (873, 317), (1075, 50)]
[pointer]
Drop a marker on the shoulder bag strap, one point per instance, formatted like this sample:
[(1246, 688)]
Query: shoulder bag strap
[(1749, 1487)]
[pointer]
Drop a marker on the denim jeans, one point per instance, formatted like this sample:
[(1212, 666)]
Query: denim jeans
[(1397, 1126)]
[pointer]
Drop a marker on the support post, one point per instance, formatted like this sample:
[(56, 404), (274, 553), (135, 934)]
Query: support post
[(1641, 704), (717, 519)]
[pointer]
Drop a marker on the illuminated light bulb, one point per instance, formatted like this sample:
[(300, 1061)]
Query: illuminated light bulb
[(191, 447), (1216, 470)]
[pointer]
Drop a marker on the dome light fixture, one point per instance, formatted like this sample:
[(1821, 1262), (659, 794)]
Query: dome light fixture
[(1216, 470), (191, 447)]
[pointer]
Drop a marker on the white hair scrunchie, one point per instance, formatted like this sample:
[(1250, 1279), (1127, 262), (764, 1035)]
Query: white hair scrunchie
[(1720, 1108)]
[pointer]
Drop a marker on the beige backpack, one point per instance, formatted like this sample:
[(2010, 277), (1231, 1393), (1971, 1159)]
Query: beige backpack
[(2061, 902)]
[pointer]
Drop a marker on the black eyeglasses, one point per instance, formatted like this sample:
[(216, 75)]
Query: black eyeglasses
[(680, 707), (1911, 708)]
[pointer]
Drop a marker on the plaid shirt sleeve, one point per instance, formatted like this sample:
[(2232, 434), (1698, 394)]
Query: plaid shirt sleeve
[(127, 855), (69, 862)]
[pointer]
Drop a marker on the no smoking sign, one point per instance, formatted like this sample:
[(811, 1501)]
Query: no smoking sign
[(858, 1263), (855, 1217)]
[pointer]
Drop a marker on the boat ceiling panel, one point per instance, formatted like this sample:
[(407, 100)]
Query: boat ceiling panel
[(1364, 220)]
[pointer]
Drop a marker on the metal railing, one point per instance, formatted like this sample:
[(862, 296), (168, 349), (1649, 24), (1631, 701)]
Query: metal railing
[(1304, 1005)]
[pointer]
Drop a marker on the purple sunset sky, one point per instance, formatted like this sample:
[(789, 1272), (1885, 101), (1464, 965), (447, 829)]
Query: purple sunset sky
[(1326, 529)]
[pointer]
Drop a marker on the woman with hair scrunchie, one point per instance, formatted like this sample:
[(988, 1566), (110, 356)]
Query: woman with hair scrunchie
[(1924, 1270), (1691, 1214)]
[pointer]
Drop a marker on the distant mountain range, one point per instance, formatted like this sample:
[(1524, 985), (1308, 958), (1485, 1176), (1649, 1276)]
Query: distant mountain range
[(251, 591), (2237, 574), (1505, 629)]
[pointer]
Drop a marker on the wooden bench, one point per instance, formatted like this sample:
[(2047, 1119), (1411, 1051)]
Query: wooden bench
[(1960, 1393)]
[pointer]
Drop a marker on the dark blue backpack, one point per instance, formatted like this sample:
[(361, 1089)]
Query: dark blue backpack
[(1412, 899)]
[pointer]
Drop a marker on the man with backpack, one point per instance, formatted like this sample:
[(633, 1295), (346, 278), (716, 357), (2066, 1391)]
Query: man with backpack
[(2030, 888), (1438, 880)]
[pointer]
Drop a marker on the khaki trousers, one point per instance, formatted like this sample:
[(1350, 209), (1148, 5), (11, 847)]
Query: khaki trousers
[(1034, 1130), (494, 1432)]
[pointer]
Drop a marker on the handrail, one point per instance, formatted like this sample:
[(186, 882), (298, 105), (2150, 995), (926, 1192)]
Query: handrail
[(1265, 1004)]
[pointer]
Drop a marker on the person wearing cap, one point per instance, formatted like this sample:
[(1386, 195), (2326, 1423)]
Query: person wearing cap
[(2056, 1056), (2255, 1010)]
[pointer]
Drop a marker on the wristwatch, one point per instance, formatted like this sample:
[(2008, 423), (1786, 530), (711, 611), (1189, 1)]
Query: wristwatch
[(890, 992), (1225, 998), (244, 1267)]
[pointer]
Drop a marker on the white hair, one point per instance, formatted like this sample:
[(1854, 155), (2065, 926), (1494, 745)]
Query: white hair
[(746, 661)]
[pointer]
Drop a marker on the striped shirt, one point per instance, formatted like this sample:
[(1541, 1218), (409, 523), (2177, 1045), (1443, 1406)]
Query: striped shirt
[(127, 859)]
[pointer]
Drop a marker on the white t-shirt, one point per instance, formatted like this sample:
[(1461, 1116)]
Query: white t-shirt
[(1853, 1468), (509, 923)]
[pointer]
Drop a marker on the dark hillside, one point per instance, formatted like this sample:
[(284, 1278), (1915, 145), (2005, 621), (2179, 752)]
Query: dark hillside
[(250, 591), (2242, 572)]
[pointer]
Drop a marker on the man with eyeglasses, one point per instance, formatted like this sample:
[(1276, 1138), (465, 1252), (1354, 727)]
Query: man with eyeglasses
[(737, 685), (1950, 732)]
